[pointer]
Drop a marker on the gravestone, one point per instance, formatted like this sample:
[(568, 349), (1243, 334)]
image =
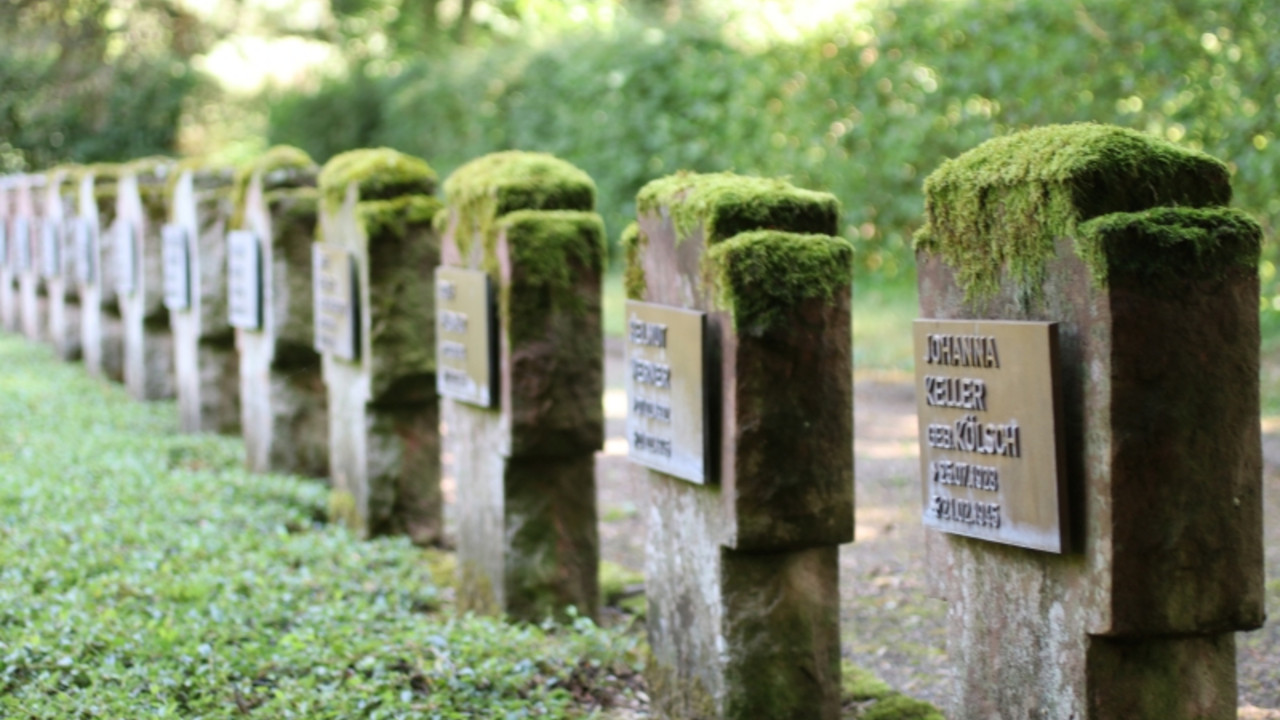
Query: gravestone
[(283, 410), (374, 302), (1098, 556), (741, 421), (8, 276), (28, 228), (206, 365), (142, 211), (60, 211), (101, 331), (520, 242)]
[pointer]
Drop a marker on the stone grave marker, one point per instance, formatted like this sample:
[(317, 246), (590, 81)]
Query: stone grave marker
[(28, 229), (373, 293), (283, 406), (207, 369), (142, 212), (523, 457), (8, 235), (60, 199), (1114, 589), (101, 331), (740, 413)]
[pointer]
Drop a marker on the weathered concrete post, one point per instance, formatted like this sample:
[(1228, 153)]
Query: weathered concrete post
[(1147, 516), (520, 372), (148, 342), (206, 365), (60, 209), (29, 222), (101, 332), (282, 397), (741, 418), (373, 279), (8, 275)]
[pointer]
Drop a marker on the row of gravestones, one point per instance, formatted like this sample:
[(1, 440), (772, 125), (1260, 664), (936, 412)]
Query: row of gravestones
[(1087, 382)]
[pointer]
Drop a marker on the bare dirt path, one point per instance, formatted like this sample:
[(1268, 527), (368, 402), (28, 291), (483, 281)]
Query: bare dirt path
[(889, 623)]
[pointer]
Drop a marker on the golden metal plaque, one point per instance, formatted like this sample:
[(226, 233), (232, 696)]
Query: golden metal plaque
[(991, 454), (337, 316), (668, 425), (466, 337), (244, 280), (177, 268)]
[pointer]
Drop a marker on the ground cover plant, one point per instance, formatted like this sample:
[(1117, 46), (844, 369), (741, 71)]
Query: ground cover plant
[(144, 574)]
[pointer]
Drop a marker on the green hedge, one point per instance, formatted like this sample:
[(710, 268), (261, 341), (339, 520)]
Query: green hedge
[(863, 108)]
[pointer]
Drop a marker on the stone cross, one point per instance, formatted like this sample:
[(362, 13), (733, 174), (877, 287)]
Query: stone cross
[(1126, 243), (141, 212), (741, 572), (283, 413), (206, 365), (520, 369), (374, 300), (60, 199)]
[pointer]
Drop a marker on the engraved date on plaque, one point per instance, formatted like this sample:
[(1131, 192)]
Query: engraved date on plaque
[(466, 340), (669, 428), (177, 268), (337, 317), (244, 280), (990, 431)]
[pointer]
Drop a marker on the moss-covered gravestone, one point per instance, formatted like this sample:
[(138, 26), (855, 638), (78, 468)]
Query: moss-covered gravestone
[(741, 569), (1125, 242), (206, 365), (520, 368), (374, 303), (29, 223), (101, 332), (8, 277), (283, 413), (61, 199), (138, 255)]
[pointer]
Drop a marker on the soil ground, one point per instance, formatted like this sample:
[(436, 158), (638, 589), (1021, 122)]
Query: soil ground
[(889, 623)]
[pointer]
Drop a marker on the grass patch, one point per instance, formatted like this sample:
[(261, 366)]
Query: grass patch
[(144, 574)]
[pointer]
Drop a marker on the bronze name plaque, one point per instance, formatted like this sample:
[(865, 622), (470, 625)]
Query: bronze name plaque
[(244, 280), (86, 251), (668, 426), (126, 256), (50, 249), (177, 268), (466, 338), (990, 431), (337, 317)]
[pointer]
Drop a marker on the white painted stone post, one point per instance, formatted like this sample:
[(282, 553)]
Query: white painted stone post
[(101, 331), (8, 276), (30, 190), (195, 251), (284, 420), (60, 201), (148, 341)]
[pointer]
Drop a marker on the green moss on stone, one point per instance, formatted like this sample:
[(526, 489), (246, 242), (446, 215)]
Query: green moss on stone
[(546, 248), (499, 183), (860, 685), (380, 174), (1003, 204), (384, 219), (633, 243), (725, 204), (759, 275), (282, 166), (1164, 245)]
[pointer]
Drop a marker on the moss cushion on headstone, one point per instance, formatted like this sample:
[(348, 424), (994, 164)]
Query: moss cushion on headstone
[(283, 166), (1005, 203), (379, 174)]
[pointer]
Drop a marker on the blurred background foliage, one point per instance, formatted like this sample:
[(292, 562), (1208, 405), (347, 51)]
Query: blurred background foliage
[(863, 103)]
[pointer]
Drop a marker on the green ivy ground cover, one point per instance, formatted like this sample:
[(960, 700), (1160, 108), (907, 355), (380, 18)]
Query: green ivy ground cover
[(143, 573)]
